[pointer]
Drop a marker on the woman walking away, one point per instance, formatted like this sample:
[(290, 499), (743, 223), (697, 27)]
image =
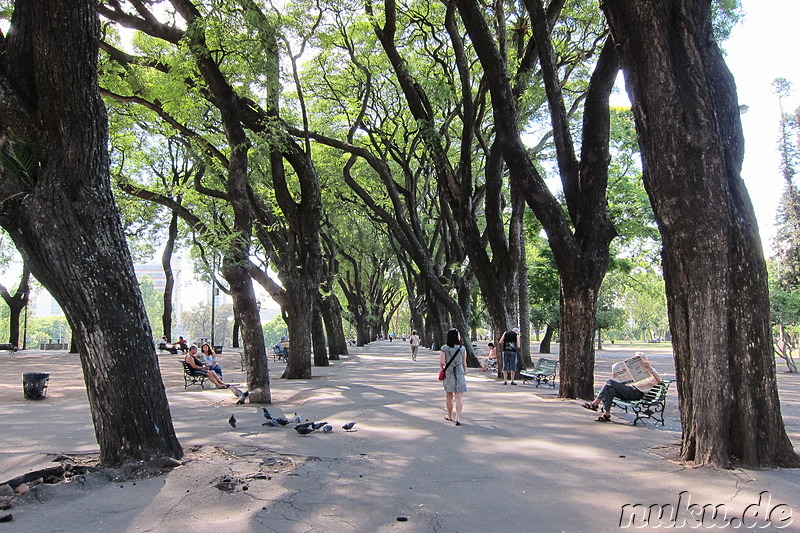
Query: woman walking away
[(414, 344), (453, 359)]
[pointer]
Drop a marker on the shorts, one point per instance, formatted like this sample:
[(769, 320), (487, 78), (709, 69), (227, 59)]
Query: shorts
[(509, 361)]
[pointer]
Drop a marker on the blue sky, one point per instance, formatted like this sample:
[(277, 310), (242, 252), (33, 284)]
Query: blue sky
[(764, 46)]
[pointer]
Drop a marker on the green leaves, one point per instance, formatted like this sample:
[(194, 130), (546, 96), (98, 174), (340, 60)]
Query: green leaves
[(20, 159)]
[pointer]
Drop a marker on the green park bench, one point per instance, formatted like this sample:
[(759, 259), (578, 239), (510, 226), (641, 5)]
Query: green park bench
[(543, 372), (651, 405)]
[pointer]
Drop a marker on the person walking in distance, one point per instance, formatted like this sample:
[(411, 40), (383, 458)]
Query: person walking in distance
[(509, 344), (414, 344)]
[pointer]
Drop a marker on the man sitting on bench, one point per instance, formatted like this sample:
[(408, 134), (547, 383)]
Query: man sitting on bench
[(627, 392)]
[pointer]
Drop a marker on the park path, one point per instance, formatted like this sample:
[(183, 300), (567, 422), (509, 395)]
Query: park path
[(521, 461)]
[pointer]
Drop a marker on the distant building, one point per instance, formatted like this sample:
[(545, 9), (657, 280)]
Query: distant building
[(43, 304), (156, 272)]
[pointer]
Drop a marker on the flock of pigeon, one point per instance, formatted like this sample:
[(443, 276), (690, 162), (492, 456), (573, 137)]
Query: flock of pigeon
[(303, 428)]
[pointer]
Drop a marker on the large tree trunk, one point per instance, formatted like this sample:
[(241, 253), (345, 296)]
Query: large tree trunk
[(524, 310), (166, 264), (576, 343), (318, 338), (544, 346), (235, 333), (357, 308), (364, 334), (63, 220), (14, 315), (464, 289), (416, 306), (437, 322), (245, 309), (332, 317), (17, 303), (687, 120), (300, 310)]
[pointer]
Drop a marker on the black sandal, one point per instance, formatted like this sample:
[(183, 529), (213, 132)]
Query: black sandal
[(603, 418), (587, 405)]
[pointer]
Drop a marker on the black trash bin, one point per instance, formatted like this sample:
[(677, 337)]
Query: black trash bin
[(34, 385)]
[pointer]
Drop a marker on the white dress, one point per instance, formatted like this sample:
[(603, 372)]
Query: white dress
[(454, 378)]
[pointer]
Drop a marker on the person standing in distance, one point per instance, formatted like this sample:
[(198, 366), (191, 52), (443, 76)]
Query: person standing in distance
[(509, 343)]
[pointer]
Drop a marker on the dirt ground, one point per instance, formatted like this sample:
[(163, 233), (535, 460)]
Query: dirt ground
[(522, 460)]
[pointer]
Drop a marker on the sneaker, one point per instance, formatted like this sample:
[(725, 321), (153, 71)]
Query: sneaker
[(505, 383), (513, 383)]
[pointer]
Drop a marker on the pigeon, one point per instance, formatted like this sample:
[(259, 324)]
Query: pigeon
[(304, 430), (296, 419), (317, 425), (327, 429), (282, 421), (235, 390), (348, 426), (270, 423), (243, 397), (232, 421), (266, 413), (305, 425)]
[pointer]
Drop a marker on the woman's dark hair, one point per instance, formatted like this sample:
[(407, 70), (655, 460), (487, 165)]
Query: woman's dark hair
[(452, 337)]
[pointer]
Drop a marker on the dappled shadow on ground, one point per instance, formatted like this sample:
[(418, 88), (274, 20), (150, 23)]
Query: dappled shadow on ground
[(519, 447)]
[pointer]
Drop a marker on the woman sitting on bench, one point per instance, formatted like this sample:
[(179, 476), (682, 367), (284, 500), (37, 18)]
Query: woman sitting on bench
[(492, 358), (627, 392), (210, 358), (199, 368)]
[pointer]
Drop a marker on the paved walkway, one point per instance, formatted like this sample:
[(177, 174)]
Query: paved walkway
[(521, 461)]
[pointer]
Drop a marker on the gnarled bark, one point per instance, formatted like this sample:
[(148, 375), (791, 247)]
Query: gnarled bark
[(687, 121), (62, 217)]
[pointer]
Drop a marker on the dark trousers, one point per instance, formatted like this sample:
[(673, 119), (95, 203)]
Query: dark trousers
[(614, 389)]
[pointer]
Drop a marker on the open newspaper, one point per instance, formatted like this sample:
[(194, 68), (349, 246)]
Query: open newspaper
[(631, 370)]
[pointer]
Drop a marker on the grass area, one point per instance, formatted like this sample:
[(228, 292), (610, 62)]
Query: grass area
[(639, 345)]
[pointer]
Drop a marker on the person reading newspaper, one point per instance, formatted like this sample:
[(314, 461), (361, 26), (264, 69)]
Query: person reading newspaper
[(631, 369), (618, 388)]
